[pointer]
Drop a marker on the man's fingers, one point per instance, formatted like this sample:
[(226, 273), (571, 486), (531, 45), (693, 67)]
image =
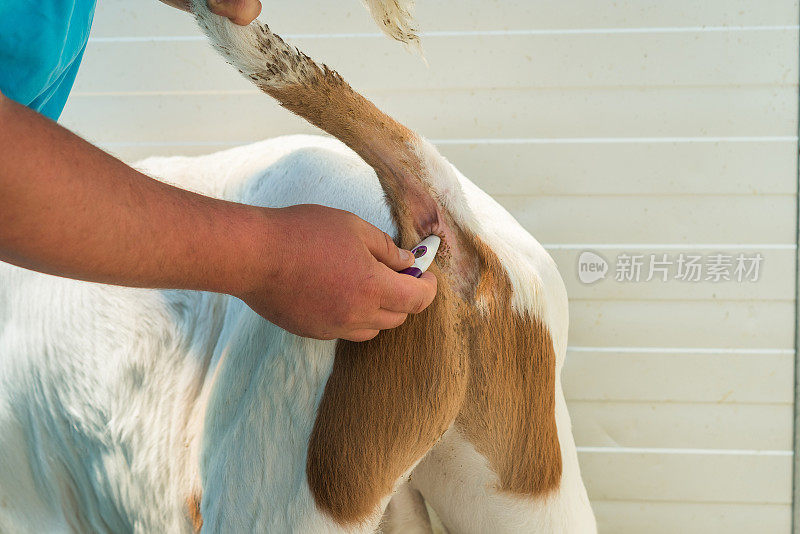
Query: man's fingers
[(241, 12), (386, 319), (385, 251), (382, 320), (361, 335), (405, 294)]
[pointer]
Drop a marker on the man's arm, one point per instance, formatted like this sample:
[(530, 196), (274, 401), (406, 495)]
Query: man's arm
[(69, 209)]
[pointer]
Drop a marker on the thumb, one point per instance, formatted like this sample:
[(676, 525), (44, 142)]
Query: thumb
[(385, 251), (241, 12)]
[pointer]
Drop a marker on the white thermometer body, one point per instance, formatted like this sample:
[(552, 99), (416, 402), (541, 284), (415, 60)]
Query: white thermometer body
[(423, 254)]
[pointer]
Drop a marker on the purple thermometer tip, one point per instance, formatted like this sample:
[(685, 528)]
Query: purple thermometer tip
[(413, 271)]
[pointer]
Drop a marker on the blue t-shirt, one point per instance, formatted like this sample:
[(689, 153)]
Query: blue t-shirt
[(41, 46)]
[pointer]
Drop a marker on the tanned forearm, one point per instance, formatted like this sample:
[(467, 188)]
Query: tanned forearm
[(68, 208)]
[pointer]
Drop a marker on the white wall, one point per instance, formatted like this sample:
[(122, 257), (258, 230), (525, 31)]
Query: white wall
[(635, 125)]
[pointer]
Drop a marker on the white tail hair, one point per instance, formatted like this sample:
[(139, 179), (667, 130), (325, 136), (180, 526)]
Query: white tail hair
[(395, 18)]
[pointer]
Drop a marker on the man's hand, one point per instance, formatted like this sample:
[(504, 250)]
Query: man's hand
[(241, 12), (333, 275)]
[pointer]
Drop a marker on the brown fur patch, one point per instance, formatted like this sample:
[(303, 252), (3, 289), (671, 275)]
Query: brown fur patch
[(509, 409), (193, 512), (386, 403)]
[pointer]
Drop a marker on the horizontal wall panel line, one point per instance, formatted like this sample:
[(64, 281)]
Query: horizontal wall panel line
[(508, 141), (687, 502), (689, 300), (677, 195), (657, 450), (573, 401), (609, 31), (680, 350), (625, 140), (255, 91), (670, 246), (467, 33)]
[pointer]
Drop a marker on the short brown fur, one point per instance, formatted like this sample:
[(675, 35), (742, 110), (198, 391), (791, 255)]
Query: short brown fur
[(386, 403), (509, 410)]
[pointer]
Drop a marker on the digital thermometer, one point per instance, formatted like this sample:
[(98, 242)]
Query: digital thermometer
[(423, 256)]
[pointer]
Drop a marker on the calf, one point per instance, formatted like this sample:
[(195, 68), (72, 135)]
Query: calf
[(169, 411)]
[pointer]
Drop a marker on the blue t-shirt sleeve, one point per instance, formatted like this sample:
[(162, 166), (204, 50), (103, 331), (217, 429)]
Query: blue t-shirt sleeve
[(41, 47)]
